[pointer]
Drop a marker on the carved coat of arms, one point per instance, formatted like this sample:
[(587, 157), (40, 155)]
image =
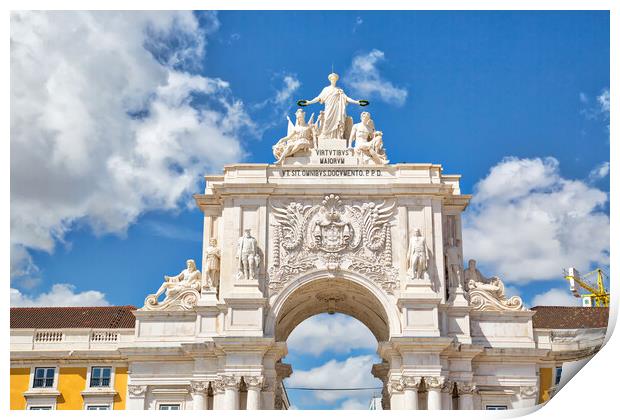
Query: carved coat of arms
[(333, 236)]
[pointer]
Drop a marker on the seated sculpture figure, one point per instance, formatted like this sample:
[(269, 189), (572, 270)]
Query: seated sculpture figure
[(300, 137), (176, 288), (488, 293), (368, 142)]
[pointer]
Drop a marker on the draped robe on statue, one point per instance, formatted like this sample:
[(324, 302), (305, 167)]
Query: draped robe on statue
[(335, 116)]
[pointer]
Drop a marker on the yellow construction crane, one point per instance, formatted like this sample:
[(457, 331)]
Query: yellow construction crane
[(597, 296)]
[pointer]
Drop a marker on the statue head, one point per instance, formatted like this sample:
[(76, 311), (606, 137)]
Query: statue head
[(472, 263), (418, 232), (300, 116), (248, 233), (333, 78), (378, 134), (213, 242), (191, 265), (365, 116)]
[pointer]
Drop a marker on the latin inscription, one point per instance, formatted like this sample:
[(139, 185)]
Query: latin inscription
[(330, 172)]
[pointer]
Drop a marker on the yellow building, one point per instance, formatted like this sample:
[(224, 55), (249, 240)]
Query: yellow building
[(68, 358)]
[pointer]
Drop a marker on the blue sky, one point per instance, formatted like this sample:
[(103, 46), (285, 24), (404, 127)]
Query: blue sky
[(106, 212)]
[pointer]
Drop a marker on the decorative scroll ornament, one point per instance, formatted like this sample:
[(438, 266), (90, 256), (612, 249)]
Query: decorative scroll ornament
[(254, 381), (488, 294), (136, 390), (182, 291), (435, 382), (466, 388), (410, 382), (528, 391), (199, 386), (332, 236), (230, 381)]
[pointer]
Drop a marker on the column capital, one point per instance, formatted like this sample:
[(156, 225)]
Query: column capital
[(447, 387), (435, 382), (218, 386), (410, 382), (136, 391), (198, 386), (395, 386), (230, 381), (528, 391), (466, 387), (255, 382)]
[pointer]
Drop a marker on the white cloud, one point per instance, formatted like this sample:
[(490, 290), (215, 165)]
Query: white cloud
[(358, 22), (107, 124), (600, 172), (353, 372), (364, 78), (290, 86), (336, 333), (598, 110), (526, 222), (603, 101), (556, 297), (354, 404), (59, 295)]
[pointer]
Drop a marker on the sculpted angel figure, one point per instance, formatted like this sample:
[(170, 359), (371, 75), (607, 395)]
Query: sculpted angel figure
[(186, 279), (335, 101), (417, 262), (300, 137), (213, 256)]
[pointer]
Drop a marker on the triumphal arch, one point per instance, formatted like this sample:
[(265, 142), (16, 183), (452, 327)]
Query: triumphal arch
[(332, 226)]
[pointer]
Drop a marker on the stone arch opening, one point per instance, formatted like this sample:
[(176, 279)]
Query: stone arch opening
[(346, 293), (322, 294)]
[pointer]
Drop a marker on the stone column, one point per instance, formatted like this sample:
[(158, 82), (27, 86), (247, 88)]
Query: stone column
[(218, 394), (410, 386), (446, 396), (268, 393), (466, 399), (137, 395), (254, 384), (396, 392), (199, 394), (231, 392), (433, 385)]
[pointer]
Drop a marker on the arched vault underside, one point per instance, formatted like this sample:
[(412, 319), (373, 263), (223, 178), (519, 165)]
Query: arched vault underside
[(332, 295)]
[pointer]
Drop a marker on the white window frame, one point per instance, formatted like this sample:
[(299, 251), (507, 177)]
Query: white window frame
[(108, 407), (40, 407), (33, 368), (179, 403), (100, 395), (486, 406), (89, 374)]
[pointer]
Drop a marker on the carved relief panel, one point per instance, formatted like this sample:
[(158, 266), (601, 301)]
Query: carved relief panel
[(332, 235)]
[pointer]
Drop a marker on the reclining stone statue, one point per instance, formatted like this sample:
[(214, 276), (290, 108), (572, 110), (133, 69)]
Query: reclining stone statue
[(182, 291), (488, 293)]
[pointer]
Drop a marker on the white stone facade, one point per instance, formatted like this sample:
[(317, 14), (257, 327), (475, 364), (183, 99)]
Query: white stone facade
[(329, 229)]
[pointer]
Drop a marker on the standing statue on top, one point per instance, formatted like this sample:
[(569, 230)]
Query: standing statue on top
[(335, 119)]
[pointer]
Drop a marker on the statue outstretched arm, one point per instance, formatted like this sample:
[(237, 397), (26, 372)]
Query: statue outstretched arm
[(351, 101), (312, 101)]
